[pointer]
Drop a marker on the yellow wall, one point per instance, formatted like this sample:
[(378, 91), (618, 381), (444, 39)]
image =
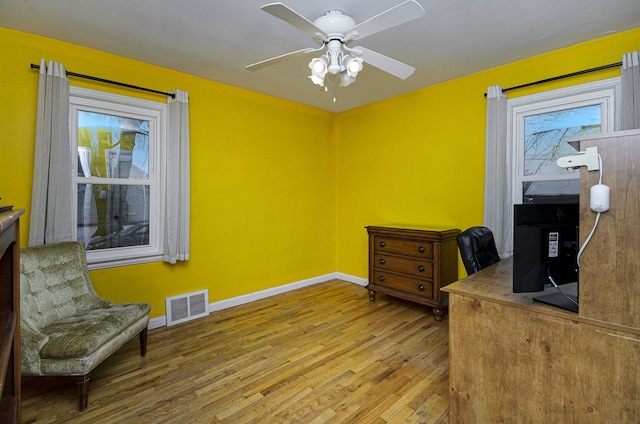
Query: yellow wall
[(419, 158), (270, 205), (263, 191)]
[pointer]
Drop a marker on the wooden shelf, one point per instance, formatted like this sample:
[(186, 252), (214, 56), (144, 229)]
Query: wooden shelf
[(7, 330), (10, 411)]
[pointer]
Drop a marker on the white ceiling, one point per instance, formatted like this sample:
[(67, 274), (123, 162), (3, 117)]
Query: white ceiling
[(216, 39)]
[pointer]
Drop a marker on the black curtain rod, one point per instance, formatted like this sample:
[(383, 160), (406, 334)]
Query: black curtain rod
[(121, 84), (572, 74)]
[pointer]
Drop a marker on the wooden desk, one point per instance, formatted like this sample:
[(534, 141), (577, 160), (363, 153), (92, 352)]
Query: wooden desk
[(514, 360)]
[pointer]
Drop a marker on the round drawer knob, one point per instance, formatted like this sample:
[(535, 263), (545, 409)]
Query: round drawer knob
[(382, 261), (421, 287), (382, 244), (421, 268), (421, 249), (381, 278)]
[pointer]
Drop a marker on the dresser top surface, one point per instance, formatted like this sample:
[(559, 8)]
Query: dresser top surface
[(409, 229), (9, 217)]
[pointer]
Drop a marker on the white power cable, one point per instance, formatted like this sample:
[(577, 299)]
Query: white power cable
[(595, 224), (586, 241)]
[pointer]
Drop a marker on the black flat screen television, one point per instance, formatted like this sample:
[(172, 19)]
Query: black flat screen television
[(545, 244)]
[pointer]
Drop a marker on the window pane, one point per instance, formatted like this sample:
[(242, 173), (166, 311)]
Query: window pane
[(550, 191), (113, 215), (111, 146), (546, 136)]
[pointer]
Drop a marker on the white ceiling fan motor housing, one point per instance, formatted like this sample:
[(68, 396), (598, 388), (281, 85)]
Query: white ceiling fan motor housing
[(335, 24)]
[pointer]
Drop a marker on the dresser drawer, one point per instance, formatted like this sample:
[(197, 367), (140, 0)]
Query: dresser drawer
[(404, 284), (421, 268), (402, 246)]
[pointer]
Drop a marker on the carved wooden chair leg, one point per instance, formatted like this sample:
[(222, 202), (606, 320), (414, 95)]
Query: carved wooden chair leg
[(83, 391), (143, 342)]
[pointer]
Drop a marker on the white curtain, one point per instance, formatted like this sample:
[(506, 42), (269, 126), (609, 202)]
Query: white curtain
[(498, 199), (177, 219), (51, 206), (630, 91)]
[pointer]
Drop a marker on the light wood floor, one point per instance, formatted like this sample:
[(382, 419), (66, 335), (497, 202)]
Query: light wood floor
[(322, 354)]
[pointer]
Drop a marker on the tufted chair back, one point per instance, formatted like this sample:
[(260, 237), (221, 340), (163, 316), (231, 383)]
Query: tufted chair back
[(477, 249), (55, 284)]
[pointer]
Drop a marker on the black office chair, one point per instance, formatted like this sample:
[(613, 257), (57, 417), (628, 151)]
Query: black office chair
[(477, 249)]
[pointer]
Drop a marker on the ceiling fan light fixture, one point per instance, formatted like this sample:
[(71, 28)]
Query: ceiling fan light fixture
[(335, 62), (317, 80), (352, 65), (346, 79), (318, 66)]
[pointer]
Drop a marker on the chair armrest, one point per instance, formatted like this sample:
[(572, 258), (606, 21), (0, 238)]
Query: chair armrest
[(31, 341)]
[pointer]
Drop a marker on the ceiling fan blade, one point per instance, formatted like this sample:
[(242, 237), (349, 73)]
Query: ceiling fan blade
[(404, 12), (281, 11), (277, 59), (385, 63)]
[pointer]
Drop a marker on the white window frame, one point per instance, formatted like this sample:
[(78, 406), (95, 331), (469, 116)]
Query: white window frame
[(81, 99), (604, 92)]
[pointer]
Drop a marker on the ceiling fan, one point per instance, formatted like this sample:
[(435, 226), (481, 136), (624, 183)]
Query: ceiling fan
[(335, 31)]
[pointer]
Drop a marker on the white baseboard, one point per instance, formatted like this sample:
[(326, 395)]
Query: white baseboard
[(351, 279), (157, 322), (263, 294)]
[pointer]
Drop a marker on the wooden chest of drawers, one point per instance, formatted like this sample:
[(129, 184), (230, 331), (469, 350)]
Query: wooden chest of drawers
[(413, 263)]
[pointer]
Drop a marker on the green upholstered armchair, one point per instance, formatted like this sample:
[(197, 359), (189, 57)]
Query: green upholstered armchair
[(65, 328)]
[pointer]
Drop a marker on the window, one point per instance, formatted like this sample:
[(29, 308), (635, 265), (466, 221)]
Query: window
[(118, 176), (541, 125)]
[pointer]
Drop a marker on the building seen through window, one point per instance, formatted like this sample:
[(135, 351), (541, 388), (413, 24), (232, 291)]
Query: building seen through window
[(113, 150)]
